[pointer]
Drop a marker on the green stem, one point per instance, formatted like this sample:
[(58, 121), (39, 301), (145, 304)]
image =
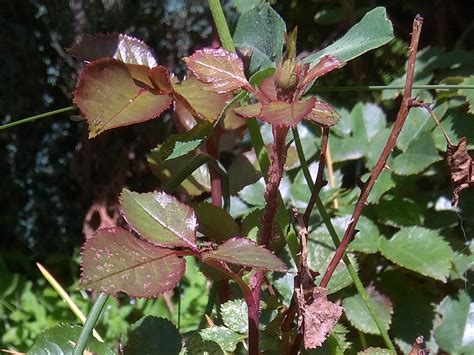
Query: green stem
[(37, 117), (91, 320), (186, 171), (389, 87), (350, 268), (221, 25)]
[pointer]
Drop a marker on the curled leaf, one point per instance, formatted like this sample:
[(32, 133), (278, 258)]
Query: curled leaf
[(113, 261), (461, 166), (222, 69), (109, 97), (119, 46), (323, 114)]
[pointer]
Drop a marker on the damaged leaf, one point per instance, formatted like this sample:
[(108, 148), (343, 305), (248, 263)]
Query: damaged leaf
[(461, 166)]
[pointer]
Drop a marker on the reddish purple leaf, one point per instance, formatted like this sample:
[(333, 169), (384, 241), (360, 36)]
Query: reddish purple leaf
[(197, 98), (160, 218), (113, 261), (160, 77), (249, 111), (109, 97), (326, 64), (223, 70), (122, 47), (286, 113), (243, 251), (269, 89), (323, 114)]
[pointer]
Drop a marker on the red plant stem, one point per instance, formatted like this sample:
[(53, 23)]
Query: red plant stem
[(319, 184), (397, 127), (275, 173)]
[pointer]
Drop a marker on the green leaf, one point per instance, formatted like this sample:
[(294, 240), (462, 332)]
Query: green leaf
[(223, 70), (359, 316), (165, 170), (197, 98), (418, 121), (375, 148), (373, 30), (384, 183), (262, 32), (375, 351), (177, 145), (367, 120), (367, 240), (243, 171), (343, 149), (454, 333), (234, 316), (119, 46), (226, 338), (413, 314), (253, 194), (457, 125), (419, 155), (159, 218), (242, 251), (197, 345), (215, 223), (320, 251), (469, 93), (153, 335), (392, 211), (60, 340), (421, 250), (113, 261), (108, 97)]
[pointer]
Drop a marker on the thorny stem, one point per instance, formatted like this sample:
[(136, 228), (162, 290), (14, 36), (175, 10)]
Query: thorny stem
[(397, 127)]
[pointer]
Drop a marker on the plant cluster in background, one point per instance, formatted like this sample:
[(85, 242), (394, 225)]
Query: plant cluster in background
[(412, 249)]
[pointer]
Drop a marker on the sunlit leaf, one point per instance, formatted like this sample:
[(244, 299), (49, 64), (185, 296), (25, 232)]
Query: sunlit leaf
[(113, 261), (197, 98), (262, 32), (419, 155), (223, 70), (159, 218), (242, 251), (153, 335), (421, 250), (454, 333), (359, 316), (119, 46), (372, 31), (108, 96), (286, 113), (234, 316), (325, 65), (215, 223), (226, 338)]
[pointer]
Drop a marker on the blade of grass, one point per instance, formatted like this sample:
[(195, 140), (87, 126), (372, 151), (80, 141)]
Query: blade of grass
[(66, 298), (37, 117), (91, 320)]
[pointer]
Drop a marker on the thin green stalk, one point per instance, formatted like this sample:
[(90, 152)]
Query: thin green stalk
[(186, 171), (37, 117), (390, 87), (332, 232), (221, 25), (91, 320)]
